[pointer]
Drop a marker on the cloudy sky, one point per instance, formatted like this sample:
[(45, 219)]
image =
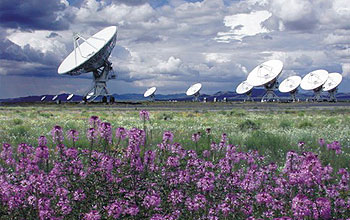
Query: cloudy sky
[(171, 43)]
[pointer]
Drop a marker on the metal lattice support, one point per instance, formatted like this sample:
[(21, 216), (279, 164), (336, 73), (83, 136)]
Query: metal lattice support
[(332, 94), (101, 76), (196, 97), (317, 95), (270, 94), (293, 95), (152, 97), (249, 97)]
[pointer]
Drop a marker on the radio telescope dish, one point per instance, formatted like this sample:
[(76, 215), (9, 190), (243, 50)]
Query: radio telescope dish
[(314, 81), (245, 88), (266, 75), (290, 85), (70, 97), (150, 93), (43, 98), (55, 97), (92, 56), (331, 85), (194, 91)]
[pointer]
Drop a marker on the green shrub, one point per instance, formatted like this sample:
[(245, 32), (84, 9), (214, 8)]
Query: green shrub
[(273, 145), (19, 130), (248, 125), (285, 124), (305, 124), (17, 121), (238, 112)]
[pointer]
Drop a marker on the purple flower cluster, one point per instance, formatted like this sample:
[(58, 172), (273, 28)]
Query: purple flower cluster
[(121, 133), (105, 131), (169, 182), (73, 135), (57, 134), (144, 115), (196, 137), (335, 146)]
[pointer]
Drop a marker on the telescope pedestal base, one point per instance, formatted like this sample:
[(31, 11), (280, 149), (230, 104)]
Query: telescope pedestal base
[(248, 97), (99, 87), (332, 97), (196, 97)]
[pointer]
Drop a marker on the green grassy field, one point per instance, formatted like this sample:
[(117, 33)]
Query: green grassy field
[(272, 133)]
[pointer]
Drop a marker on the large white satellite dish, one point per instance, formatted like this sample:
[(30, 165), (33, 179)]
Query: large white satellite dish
[(245, 88), (266, 75), (43, 98), (55, 97), (331, 85), (150, 93), (194, 91), (92, 56), (290, 85), (314, 81)]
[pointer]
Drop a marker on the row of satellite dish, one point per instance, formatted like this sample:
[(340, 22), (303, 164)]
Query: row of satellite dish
[(92, 56), (267, 73)]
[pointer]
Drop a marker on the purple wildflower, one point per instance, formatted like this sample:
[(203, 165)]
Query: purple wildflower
[(196, 137), (42, 141), (149, 157), (263, 198), (91, 134), (121, 133), (73, 135), (175, 197), (301, 207), (144, 115), (93, 215), (105, 130), (322, 208), (224, 138), (24, 149), (198, 202), (115, 209), (79, 195), (208, 131), (6, 154), (335, 145), (152, 200), (94, 122), (301, 144), (322, 142), (168, 137), (57, 134), (173, 161), (42, 152)]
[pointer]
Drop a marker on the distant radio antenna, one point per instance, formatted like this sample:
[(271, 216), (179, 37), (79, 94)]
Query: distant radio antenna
[(314, 81), (331, 85), (150, 93), (194, 91), (290, 85), (245, 88)]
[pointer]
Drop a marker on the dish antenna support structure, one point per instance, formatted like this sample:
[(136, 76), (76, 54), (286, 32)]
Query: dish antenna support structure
[(194, 91), (245, 88), (265, 75), (92, 56), (331, 85), (314, 81), (290, 85)]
